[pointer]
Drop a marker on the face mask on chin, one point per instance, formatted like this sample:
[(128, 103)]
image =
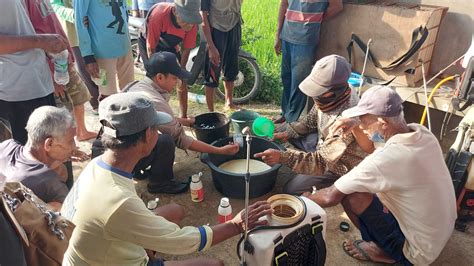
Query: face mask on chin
[(376, 137)]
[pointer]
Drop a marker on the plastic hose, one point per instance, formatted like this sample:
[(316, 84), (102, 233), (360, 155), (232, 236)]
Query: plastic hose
[(423, 117)]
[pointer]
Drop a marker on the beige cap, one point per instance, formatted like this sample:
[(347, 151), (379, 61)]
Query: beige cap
[(329, 72)]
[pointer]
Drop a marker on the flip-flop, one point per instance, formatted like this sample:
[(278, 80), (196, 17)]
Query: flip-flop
[(356, 244)]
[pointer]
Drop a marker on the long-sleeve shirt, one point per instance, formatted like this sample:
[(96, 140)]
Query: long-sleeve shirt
[(160, 99), (335, 154), (113, 225), (106, 35)]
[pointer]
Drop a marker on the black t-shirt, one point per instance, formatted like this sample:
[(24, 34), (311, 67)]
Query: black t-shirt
[(38, 177)]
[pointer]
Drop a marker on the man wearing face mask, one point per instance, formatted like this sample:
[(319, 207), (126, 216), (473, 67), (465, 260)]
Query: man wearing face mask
[(169, 25), (336, 155), (400, 197)]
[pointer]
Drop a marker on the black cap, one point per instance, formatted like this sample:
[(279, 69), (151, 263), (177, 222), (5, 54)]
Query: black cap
[(165, 63)]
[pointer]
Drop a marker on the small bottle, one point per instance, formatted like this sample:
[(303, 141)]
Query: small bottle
[(102, 79), (224, 211), (239, 139), (197, 191), (152, 204), (61, 74), (198, 98)]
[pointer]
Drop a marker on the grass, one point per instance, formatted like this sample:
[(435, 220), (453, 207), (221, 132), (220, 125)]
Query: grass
[(258, 35)]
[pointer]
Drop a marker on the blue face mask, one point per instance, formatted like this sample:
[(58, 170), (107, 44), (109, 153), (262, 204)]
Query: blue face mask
[(377, 137)]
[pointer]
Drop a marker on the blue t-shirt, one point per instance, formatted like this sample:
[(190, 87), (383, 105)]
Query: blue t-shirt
[(107, 33), (303, 21)]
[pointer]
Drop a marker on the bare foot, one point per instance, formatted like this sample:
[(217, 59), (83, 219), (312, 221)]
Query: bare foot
[(368, 251), (231, 107), (87, 135)]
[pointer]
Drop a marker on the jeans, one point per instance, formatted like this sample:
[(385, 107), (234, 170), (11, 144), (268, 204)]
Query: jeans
[(297, 61)]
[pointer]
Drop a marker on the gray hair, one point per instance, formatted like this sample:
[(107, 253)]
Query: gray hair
[(398, 120), (46, 122)]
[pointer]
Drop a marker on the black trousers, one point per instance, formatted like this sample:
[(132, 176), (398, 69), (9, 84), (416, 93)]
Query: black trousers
[(160, 161), (17, 114)]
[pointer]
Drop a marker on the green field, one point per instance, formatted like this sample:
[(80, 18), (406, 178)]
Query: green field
[(258, 35)]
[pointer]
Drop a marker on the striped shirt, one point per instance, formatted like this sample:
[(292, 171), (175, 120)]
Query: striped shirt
[(303, 21)]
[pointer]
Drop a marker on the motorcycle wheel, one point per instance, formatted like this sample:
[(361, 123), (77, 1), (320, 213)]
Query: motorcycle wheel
[(137, 61), (247, 84)]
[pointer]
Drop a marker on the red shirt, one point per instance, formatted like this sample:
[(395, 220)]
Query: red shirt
[(44, 20), (160, 21)]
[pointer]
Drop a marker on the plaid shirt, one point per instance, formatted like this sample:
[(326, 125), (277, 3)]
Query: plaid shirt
[(335, 154)]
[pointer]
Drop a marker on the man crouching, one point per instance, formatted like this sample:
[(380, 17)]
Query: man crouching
[(113, 226)]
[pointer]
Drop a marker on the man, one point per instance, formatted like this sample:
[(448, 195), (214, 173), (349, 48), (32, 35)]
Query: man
[(222, 29), (45, 21), (163, 72), (102, 30), (169, 26), (26, 81), (297, 38), (113, 226), (39, 164), (400, 197), (336, 154), (65, 12)]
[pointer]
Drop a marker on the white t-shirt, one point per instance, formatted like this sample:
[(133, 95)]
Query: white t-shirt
[(24, 75), (411, 179)]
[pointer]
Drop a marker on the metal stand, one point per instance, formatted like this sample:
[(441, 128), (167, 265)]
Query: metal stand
[(246, 131)]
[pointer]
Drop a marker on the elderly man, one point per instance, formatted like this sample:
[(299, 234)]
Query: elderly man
[(39, 164), (400, 197), (163, 72), (336, 155), (172, 27), (113, 225)]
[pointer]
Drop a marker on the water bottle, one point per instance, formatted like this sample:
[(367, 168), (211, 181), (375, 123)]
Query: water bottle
[(61, 75), (198, 98), (224, 211), (238, 139), (102, 79), (196, 188)]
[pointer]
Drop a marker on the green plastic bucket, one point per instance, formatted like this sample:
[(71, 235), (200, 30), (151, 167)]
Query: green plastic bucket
[(242, 119)]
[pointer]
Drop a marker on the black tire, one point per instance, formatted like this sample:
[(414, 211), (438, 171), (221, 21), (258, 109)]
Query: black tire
[(137, 61), (252, 79)]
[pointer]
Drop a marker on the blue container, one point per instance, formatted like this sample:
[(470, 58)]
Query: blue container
[(354, 80)]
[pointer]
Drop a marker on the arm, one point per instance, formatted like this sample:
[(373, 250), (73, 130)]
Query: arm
[(63, 12), (184, 57), (350, 126), (307, 124), (81, 9), (200, 146), (335, 6), (326, 197), (206, 28), (153, 31), (281, 19), (50, 43)]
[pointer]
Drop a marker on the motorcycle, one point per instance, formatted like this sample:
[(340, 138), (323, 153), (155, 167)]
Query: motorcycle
[(248, 81)]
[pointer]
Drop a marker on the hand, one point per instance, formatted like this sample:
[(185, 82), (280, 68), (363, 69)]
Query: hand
[(277, 46), (214, 55), (344, 124), (52, 43), (308, 195), (270, 156), (58, 90), (85, 21), (256, 210), (281, 136), (191, 120), (229, 149), (93, 69), (79, 156)]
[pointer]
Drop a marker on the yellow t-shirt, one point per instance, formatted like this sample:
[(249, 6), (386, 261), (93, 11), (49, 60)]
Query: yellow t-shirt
[(411, 179), (113, 226)]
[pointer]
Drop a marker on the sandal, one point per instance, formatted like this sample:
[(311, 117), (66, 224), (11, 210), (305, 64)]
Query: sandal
[(356, 244)]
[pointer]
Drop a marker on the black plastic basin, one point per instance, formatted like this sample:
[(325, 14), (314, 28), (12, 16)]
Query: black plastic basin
[(210, 127), (233, 185)]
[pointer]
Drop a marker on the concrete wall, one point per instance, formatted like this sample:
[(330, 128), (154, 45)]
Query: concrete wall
[(455, 34)]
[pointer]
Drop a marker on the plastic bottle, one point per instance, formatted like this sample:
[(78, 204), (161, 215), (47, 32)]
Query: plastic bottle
[(197, 191), (198, 98), (61, 74), (152, 204), (239, 139), (224, 211), (102, 80)]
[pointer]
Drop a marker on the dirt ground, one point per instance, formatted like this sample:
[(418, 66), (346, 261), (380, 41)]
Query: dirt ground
[(459, 250)]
